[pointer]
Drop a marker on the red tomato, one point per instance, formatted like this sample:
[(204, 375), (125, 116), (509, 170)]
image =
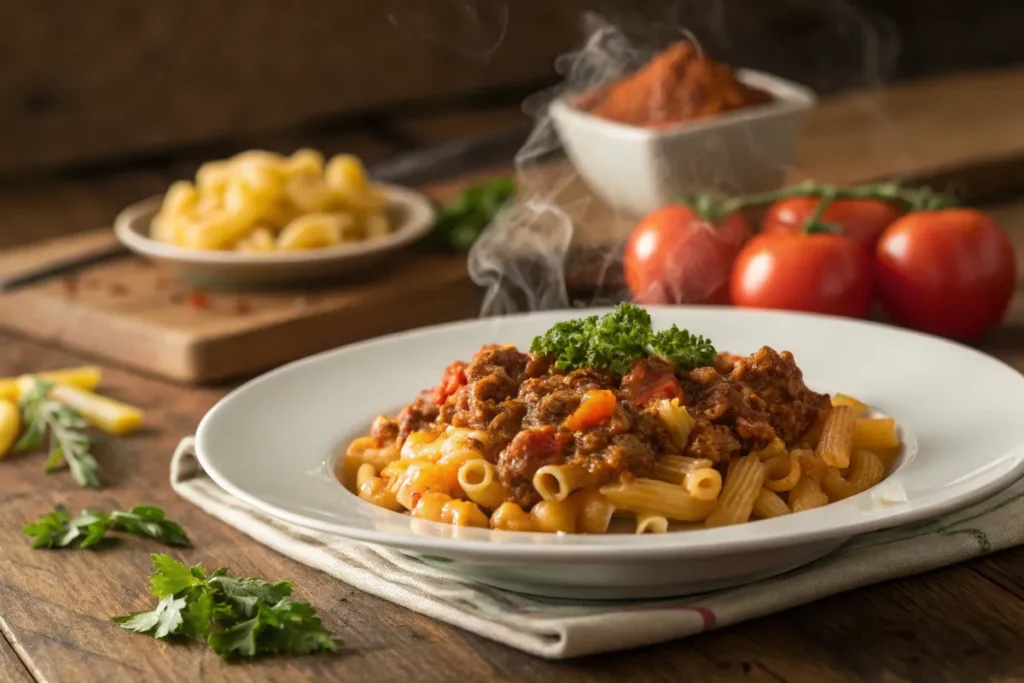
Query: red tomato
[(864, 220), (673, 256), (950, 272), (819, 272)]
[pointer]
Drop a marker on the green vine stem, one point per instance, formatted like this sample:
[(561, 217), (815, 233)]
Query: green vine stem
[(716, 207)]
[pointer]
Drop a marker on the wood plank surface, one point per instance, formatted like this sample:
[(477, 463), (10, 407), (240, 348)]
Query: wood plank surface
[(955, 624), (12, 669)]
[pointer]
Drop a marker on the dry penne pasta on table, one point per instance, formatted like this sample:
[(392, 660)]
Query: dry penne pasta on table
[(605, 420), (261, 202)]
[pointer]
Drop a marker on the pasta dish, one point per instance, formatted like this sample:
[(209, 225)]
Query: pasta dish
[(605, 417)]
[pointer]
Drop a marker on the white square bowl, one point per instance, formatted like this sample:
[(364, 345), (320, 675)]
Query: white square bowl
[(638, 170)]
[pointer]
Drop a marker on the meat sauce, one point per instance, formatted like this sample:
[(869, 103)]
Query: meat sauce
[(739, 404)]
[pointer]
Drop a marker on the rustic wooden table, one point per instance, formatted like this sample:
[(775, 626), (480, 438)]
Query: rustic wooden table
[(959, 623)]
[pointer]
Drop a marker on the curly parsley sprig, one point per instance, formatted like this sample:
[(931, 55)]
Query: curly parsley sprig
[(237, 617), (68, 443), (616, 340)]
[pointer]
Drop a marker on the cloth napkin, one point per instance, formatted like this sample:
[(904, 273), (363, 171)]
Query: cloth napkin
[(561, 629)]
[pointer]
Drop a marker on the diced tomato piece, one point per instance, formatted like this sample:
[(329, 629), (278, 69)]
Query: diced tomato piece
[(454, 377), (650, 380), (597, 407), (539, 446)]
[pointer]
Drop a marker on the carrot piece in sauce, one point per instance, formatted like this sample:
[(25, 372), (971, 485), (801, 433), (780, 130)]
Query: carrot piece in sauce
[(597, 407)]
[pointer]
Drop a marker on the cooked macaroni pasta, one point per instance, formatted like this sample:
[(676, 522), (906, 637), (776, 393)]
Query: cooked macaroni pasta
[(260, 202)]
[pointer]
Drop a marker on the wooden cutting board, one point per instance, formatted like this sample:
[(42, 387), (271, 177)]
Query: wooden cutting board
[(137, 314)]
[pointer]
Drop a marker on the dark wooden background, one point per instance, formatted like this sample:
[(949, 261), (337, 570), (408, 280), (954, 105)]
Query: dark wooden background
[(113, 80)]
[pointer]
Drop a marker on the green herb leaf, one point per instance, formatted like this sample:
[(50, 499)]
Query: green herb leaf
[(161, 622), (461, 222), (150, 521), (237, 616), (614, 341), (171, 576), (67, 441), (682, 348), (58, 530)]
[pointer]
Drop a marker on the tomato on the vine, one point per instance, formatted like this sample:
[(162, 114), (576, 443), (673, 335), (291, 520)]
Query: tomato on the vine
[(863, 220), (950, 272), (819, 272), (674, 256)]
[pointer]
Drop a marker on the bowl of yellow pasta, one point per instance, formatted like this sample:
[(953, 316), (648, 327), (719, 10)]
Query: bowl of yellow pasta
[(613, 453), (261, 218)]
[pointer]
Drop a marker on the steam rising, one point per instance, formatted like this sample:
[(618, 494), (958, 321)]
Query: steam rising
[(555, 233), (473, 28)]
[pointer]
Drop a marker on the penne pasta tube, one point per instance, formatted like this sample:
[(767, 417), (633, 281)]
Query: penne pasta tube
[(677, 421), (775, 447), (769, 504), (85, 377), (888, 456), (672, 468), (593, 511), (10, 425), (810, 464), (650, 523), (792, 472), (113, 417), (866, 470), (511, 517), (858, 407), (836, 487), (704, 483), (650, 495), (807, 494), (556, 482), (875, 433), (837, 437), (738, 495), (480, 483)]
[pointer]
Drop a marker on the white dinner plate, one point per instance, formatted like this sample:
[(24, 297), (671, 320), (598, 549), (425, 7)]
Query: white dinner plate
[(410, 212), (273, 443)]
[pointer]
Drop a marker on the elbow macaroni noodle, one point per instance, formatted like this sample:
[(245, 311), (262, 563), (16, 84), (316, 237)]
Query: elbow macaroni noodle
[(261, 202), (446, 477)]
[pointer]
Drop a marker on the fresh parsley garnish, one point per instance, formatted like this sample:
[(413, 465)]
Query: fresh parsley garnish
[(58, 529), (68, 443), (460, 223), (616, 340), (237, 617)]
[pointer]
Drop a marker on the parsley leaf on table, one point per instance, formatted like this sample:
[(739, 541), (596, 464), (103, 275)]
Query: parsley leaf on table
[(236, 616), (68, 443), (461, 222), (149, 521), (59, 530), (614, 341)]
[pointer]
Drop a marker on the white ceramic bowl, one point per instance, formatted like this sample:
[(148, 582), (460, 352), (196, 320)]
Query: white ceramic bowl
[(411, 215), (273, 443), (637, 170)]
